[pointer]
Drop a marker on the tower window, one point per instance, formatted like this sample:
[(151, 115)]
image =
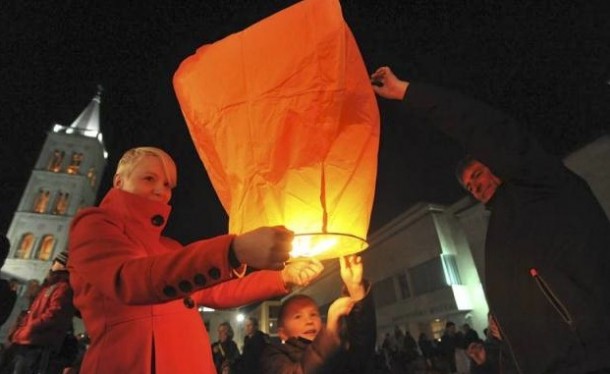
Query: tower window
[(75, 161), (55, 161), (47, 244), (24, 250), (91, 175), (42, 201), (61, 203)]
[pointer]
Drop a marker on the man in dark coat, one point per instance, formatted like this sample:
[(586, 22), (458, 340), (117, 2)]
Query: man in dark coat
[(255, 342), (547, 257)]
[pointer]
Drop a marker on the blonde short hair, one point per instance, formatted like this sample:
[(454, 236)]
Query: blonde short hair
[(130, 158)]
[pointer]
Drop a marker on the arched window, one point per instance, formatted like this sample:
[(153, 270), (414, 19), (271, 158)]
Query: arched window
[(24, 250), (61, 203), (41, 201), (45, 250), (75, 162), (55, 161)]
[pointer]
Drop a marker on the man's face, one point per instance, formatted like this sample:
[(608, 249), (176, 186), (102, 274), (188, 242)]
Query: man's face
[(146, 179), (223, 333), (480, 181), (249, 327), (301, 319), (57, 266)]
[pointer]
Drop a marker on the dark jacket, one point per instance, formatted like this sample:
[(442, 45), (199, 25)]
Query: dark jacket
[(249, 362), (324, 354), (7, 300), (225, 354), (547, 251)]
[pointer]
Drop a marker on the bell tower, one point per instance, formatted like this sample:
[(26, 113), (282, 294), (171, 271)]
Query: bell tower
[(65, 179)]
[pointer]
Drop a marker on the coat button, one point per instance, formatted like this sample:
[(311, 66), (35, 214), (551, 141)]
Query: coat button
[(185, 286), (188, 302), (199, 279), (169, 291), (157, 220), (214, 273)]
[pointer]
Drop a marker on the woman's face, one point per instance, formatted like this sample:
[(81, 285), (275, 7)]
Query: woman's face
[(147, 179)]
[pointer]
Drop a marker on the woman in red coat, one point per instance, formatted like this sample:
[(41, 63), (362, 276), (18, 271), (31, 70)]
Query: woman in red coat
[(137, 290)]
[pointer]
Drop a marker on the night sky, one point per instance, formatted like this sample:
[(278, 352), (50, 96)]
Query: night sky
[(546, 65)]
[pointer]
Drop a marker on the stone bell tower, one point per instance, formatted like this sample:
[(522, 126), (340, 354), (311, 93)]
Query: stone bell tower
[(65, 179)]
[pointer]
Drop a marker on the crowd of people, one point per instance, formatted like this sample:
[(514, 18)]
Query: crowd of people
[(547, 270)]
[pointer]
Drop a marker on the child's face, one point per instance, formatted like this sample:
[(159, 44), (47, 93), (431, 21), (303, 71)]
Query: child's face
[(301, 319), (146, 179)]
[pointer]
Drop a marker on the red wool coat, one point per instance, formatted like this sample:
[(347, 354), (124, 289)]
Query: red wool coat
[(136, 289)]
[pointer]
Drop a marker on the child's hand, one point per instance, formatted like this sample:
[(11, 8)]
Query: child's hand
[(300, 272), (339, 308), (351, 273)]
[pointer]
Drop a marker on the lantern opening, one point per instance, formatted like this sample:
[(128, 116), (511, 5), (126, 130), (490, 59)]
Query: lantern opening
[(327, 245)]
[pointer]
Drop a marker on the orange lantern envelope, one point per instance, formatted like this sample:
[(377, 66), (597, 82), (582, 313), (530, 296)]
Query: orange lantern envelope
[(285, 121)]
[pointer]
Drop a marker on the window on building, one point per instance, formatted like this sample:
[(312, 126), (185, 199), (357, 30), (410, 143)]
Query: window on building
[(55, 160), (41, 201), (403, 283), (274, 314), (384, 293), (92, 176), (452, 275), (75, 161), (24, 250), (47, 244), (428, 276), (61, 203)]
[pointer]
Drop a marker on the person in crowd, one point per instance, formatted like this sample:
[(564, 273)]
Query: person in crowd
[(470, 334), (447, 346), (225, 351), (428, 350), (310, 347), (255, 342), (137, 290), (547, 262), (8, 294), (38, 336)]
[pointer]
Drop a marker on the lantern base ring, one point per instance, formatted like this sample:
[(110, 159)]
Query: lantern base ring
[(326, 245)]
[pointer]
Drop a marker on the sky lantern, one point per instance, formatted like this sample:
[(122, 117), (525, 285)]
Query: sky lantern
[(285, 121)]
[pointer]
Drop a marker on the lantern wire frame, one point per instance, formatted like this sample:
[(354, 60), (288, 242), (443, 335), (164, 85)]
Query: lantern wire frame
[(326, 245)]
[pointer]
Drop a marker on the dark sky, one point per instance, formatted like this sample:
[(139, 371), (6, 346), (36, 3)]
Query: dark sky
[(547, 65)]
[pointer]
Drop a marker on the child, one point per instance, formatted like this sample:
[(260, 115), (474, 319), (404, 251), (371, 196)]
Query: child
[(309, 347), (137, 290)]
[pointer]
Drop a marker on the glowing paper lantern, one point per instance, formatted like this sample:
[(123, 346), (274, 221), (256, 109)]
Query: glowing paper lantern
[(285, 121)]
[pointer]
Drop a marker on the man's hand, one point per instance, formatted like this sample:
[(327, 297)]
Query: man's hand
[(301, 272), (339, 308), (264, 248), (476, 351), (351, 273), (388, 85)]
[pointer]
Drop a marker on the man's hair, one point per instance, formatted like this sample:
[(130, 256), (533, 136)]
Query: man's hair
[(449, 324), (286, 304), (461, 166), (132, 156)]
